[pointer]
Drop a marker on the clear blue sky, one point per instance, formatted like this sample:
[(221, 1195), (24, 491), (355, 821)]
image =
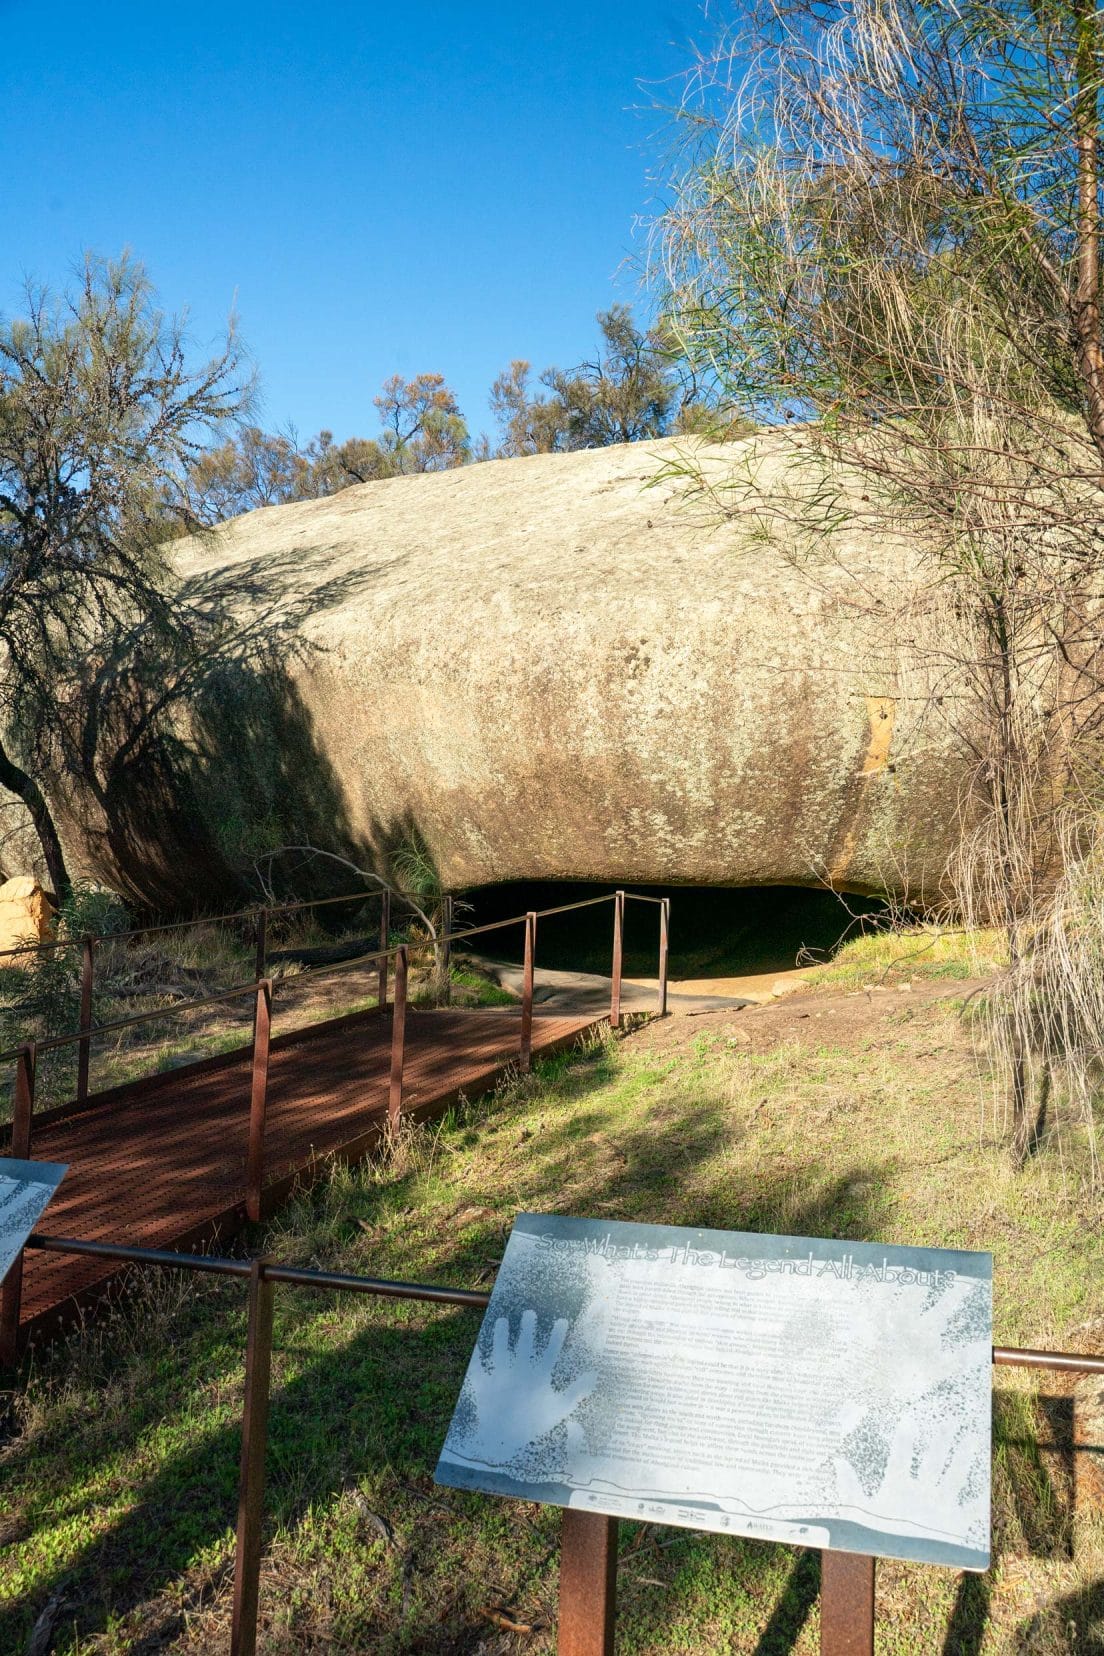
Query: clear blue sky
[(378, 189)]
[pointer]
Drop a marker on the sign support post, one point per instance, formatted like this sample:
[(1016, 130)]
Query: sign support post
[(588, 1584), (846, 1604)]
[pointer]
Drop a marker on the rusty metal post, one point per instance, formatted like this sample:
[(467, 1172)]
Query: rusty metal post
[(398, 1041), (525, 1056), (618, 945), (846, 1604), (664, 935), (11, 1297), (385, 935), (446, 950), (84, 1049), (258, 1378), (261, 937), (446, 954), (588, 1584), (258, 1100)]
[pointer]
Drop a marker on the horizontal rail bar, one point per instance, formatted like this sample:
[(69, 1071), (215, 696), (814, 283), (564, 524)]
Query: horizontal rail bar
[(274, 909), (1063, 1361), (213, 1265), (54, 1043), (387, 1288), (379, 1286), (640, 897), (168, 1258)]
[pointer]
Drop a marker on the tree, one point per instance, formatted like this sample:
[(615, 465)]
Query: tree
[(884, 239), (101, 419), (631, 389), (252, 469), (423, 428)]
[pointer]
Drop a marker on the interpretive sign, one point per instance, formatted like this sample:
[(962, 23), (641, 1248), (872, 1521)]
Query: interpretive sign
[(25, 1189), (825, 1393)]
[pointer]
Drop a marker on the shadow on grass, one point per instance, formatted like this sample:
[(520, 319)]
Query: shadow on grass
[(374, 1407)]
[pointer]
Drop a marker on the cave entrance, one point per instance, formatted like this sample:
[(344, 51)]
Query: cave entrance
[(716, 931)]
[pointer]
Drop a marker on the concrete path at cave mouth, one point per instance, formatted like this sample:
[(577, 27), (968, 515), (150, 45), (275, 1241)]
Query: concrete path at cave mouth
[(590, 992)]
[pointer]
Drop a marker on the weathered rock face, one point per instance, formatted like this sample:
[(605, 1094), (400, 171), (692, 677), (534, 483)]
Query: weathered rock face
[(546, 668)]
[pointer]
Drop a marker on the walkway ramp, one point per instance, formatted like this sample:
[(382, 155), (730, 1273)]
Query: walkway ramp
[(161, 1163)]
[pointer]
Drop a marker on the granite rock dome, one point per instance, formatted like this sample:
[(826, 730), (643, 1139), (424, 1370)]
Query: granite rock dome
[(556, 667)]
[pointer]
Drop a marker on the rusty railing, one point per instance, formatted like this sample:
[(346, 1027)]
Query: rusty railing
[(261, 918), (588, 1541), (261, 989)]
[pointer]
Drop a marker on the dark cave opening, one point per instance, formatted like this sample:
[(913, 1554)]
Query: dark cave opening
[(715, 931)]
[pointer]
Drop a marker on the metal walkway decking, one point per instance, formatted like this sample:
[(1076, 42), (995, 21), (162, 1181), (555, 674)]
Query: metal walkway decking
[(163, 1165)]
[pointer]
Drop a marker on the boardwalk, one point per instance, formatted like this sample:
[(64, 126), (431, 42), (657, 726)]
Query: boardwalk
[(164, 1165)]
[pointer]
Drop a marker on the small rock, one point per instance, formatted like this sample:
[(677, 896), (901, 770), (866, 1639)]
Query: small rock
[(26, 915)]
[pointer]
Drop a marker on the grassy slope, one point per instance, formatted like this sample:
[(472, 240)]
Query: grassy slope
[(838, 1114)]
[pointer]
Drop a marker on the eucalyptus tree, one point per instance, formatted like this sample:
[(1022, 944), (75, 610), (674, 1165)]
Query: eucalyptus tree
[(883, 239), (101, 417)]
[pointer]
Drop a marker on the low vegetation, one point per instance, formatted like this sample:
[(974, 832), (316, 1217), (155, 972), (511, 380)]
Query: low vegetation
[(844, 1110)]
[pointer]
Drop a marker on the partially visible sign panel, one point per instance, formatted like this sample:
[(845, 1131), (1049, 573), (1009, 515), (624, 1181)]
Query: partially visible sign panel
[(830, 1394), (25, 1189)]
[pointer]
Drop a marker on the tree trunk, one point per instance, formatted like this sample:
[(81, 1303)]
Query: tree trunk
[(19, 782), (1086, 296)]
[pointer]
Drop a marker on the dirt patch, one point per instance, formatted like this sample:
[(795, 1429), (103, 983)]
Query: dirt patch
[(846, 1019)]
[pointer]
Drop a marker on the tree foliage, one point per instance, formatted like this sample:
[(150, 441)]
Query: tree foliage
[(421, 429), (886, 232), (631, 389), (101, 421)]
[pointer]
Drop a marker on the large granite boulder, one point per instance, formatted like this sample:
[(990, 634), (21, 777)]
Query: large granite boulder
[(549, 667)]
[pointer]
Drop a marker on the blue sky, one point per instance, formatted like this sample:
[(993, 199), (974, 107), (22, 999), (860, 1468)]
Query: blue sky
[(378, 189)]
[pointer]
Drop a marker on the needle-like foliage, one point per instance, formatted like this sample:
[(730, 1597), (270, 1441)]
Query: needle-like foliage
[(883, 239)]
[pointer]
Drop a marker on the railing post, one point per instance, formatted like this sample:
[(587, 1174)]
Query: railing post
[(846, 1604), (398, 1041), (258, 1378), (588, 1584), (446, 949), (261, 937), (258, 1101), (11, 1297), (664, 935), (384, 939), (525, 1056), (618, 944), (84, 1050)]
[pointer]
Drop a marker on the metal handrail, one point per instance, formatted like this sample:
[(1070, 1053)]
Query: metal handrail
[(41, 945), (586, 1595), (51, 1043), (54, 1042), (276, 909), (298, 1276)]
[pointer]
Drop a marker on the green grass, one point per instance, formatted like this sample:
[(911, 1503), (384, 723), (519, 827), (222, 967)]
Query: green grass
[(925, 953), (119, 1479)]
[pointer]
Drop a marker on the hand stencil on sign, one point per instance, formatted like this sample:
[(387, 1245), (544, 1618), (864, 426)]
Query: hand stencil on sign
[(923, 1485), (511, 1388)]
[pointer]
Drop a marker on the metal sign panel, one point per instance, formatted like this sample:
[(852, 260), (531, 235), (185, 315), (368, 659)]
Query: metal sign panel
[(26, 1187), (824, 1393)]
